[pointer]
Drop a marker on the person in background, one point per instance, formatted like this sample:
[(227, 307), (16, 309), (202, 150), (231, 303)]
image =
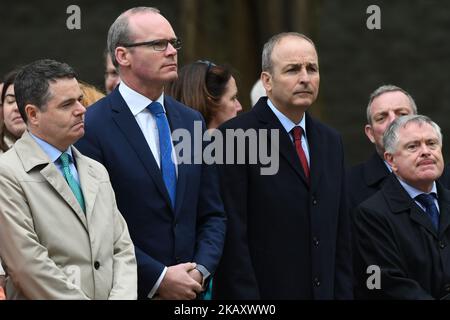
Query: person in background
[(1, 88), (90, 94), (2, 272), (208, 88), (112, 78), (403, 230), (257, 92), (386, 104), (13, 125)]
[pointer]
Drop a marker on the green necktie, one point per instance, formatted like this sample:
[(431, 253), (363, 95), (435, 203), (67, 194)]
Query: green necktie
[(71, 180)]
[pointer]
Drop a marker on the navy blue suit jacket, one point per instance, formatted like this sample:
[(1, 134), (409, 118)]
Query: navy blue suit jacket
[(163, 236), (286, 239)]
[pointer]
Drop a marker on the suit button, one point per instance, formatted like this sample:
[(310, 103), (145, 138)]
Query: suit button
[(442, 245), (314, 202), (316, 241), (317, 282), (96, 265), (447, 287)]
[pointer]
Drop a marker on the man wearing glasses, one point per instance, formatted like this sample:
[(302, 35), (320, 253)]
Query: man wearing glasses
[(174, 211)]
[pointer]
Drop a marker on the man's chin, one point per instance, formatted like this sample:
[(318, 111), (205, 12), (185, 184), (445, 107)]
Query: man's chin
[(431, 174)]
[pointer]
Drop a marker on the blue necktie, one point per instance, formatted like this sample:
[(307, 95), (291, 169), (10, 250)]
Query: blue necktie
[(165, 149), (73, 184), (427, 200)]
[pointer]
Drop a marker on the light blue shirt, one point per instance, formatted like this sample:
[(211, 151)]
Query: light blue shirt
[(54, 154), (387, 166), (288, 125), (413, 193)]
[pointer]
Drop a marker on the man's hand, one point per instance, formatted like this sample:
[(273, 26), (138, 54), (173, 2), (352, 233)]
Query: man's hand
[(196, 275), (2, 294), (177, 283)]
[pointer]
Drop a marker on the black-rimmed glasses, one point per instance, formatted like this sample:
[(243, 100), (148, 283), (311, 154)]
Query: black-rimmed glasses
[(158, 45)]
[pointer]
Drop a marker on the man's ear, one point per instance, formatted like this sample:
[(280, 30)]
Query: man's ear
[(389, 158), (369, 133), (266, 79), (32, 113), (122, 56)]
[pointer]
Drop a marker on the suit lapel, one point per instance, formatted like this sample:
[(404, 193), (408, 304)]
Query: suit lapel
[(127, 124), (286, 147), (176, 122)]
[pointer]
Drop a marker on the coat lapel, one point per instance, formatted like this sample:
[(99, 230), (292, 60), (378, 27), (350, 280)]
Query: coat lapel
[(127, 124), (316, 152), (375, 171), (400, 202), (88, 181), (33, 156), (286, 147), (444, 208)]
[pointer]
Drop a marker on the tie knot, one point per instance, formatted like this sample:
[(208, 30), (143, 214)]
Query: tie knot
[(297, 132), (65, 159), (426, 199), (156, 108)]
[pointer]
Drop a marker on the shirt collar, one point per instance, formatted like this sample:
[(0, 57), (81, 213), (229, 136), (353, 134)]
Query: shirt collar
[(52, 152), (387, 165), (413, 192), (136, 101), (287, 123)]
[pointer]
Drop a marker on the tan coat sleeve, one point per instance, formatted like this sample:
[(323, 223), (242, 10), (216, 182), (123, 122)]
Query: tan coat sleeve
[(124, 259), (27, 261)]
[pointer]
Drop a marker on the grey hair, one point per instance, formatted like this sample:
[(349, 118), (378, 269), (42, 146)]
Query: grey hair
[(388, 88), (266, 62), (390, 137), (119, 32)]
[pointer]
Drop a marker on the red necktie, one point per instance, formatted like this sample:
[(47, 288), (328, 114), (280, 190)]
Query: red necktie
[(298, 132)]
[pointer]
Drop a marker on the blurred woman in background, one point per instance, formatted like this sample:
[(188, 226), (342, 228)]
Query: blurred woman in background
[(13, 125), (208, 88)]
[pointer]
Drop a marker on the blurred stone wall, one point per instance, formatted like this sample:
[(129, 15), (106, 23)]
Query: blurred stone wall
[(411, 50)]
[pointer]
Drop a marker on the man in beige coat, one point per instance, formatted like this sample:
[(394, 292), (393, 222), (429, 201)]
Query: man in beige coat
[(61, 234)]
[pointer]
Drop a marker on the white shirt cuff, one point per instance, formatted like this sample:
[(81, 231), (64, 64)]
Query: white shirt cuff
[(158, 283)]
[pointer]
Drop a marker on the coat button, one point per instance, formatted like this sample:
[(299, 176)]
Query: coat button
[(96, 265), (317, 282), (316, 241), (442, 245), (447, 287), (314, 202)]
